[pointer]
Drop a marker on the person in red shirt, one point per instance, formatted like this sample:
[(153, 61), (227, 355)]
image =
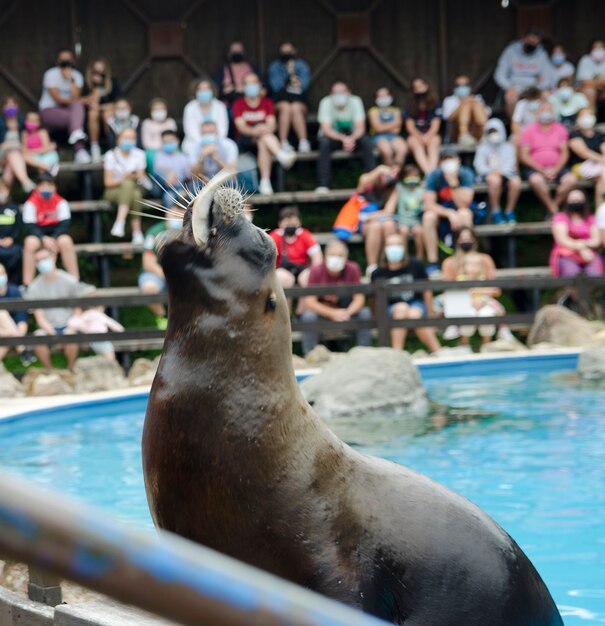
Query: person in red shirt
[(47, 218), (297, 249), (335, 270), (254, 119)]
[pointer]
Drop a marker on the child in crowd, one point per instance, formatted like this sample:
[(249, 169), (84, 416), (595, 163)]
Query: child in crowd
[(39, 151), (525, 113), (172, 169), (567, 102), (385, 129), (153, 127), (94, 320), (121, 119)]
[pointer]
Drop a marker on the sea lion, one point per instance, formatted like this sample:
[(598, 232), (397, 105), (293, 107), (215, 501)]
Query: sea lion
[(234, 458)]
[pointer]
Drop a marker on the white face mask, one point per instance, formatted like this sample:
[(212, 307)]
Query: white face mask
[(45, 266), (587, 121), (384, 101), (340, 99), (565, 93), (3, 281), (494, 138), (394, 253), (335, 263), (122, 114), (159, 115), (450, 166), (598, 54)]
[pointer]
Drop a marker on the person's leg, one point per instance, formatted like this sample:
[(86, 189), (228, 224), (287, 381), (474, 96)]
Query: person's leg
[(30, 246), (595, 267), (430, 221), (135, 220), (540, 188), (364, 335), (400, 149), (68, 255), (284, 119), (566, 184), (366, 149), (56, 118), (42, 352), (464, 217), (418, 233), (464, 117), (77, 114), (511, 97), (399, 311), (151, 287), (425, 334), (94, 124), (299, 119), (310, 338), (404, 231), (494, 191), (432, 151), (513, 193), (568, 267), (419, 154), (589, 89), (372, 239), (12, 259), (71, 350), (324, 161), (384, 149), (271, 142), (125, 197), (16, 162), (264, 159), (478, 118)]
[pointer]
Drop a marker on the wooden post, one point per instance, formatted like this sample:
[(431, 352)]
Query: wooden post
[(382, 315), (44, 587)]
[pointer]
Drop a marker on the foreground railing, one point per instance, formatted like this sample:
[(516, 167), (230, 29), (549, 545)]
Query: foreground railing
[(169, 576)]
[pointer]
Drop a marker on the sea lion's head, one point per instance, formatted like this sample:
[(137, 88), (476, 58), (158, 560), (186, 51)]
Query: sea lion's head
[(220, 272)]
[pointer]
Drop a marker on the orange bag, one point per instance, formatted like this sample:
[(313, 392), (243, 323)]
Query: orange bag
[(347, 220)]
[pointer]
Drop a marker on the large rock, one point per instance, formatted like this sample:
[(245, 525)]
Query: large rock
[(96, 373), (40, 382), (503, 345), (562, 327), (591, 364), (366, 380), (318, 356), (10, 387), (143, 372)]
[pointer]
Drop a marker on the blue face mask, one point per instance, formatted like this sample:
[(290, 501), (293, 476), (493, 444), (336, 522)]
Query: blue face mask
[(127, 145), (3, 280), (208, 139), (170, 147), (204, 95), (558, 59), (394, 254), (47, 195), (462, 91), (45, 266), (252, 90)]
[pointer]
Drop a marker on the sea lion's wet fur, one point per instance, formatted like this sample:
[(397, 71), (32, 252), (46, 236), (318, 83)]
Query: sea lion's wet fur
[(234, 458)]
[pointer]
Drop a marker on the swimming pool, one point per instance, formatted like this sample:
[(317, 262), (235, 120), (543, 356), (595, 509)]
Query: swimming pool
[(531, 456)]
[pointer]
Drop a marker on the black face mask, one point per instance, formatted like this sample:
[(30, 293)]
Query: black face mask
[(285, 57), (290, 231), (421, 96), (237, 57), (65, 63), (466, 246), (575, 207), (528, 48)]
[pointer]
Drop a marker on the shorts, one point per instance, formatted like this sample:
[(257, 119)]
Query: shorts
[(246, 144), (287, 96), (418, 304), (528, 171), (382, 136), (101, 347), (505, 178), (60, 330), (150, 277)]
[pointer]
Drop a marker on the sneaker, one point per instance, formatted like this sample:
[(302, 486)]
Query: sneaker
[(497, 217), (322, 189), (370, 269), (27, 358), (451, 333), (432, 268), (76, 135), (29, 187), (86, 288), (161, 323), (467, 140), (265, 188), (117, 230), (286, 146), (138, 238), (304, 146), (54, 169), (95, 152), (286, 159), (82, 156), (510, 217)]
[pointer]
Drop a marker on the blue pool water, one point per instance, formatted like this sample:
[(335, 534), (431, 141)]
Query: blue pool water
[(534, 462)]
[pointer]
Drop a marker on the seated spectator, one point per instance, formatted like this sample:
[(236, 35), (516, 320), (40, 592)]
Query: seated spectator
[(422, 117), (465, 112), (172, 168), (495, 163), (60, 106), (297, 249), (563, 67), (11, 224), (468, 264), (121, 119), (38, 150), (342, 126), (522, 64), (94, 321), (544, 154), (212, 153), (47, 219), (567, 102), (385, 129), (587, 148), (100, 93), (204, 107), (335, 270), (151, 278), (406, 304), (12, 161), (51, 283), (525, 113), (406, 204), (230, 77), (12, 324), (591, 73), (448, 196), (124, 179), (153, 127), (254, 119), (288, 79)]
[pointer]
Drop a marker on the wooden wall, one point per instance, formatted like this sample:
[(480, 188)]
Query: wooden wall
[(389, 41)]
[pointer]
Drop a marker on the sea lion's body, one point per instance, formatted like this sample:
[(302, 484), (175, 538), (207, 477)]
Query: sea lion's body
[(235, 459)]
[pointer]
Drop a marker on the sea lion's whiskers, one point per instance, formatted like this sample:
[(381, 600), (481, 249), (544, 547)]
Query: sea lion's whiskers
[(158, 207), (166, 190), (153, 217)]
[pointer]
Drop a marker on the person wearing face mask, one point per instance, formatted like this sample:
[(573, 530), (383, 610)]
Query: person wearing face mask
[(11, 252), (124, 179), (121, 119), (230, 76), (336, 269), (447, 200), (212, 153), (591, 73), (544, 153), (567, 102), (406, 304), (12, 161), (153, 127), (172, 169), (151, 279), (12, 323), (525, 113), (522, 64), (254, 118), (495, 163), (465, 112), (422, 117), (47, 218), (342, 126), (297, 249), (587, 149), (100, 93), (38, 150), (288, 78), (385, 129), (203, 107), (563, 67)]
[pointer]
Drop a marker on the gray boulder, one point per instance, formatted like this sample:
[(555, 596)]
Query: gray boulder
[(591, 364), (10, 387), (503, 345), (38, 382), (562, 327), (367, 380), (143, 372), (97, 373)]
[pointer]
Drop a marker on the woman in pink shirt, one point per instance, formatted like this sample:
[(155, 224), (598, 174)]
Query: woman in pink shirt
[(544, 154)]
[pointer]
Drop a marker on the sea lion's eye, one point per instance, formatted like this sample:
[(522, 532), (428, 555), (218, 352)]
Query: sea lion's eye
[(271, 303)]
